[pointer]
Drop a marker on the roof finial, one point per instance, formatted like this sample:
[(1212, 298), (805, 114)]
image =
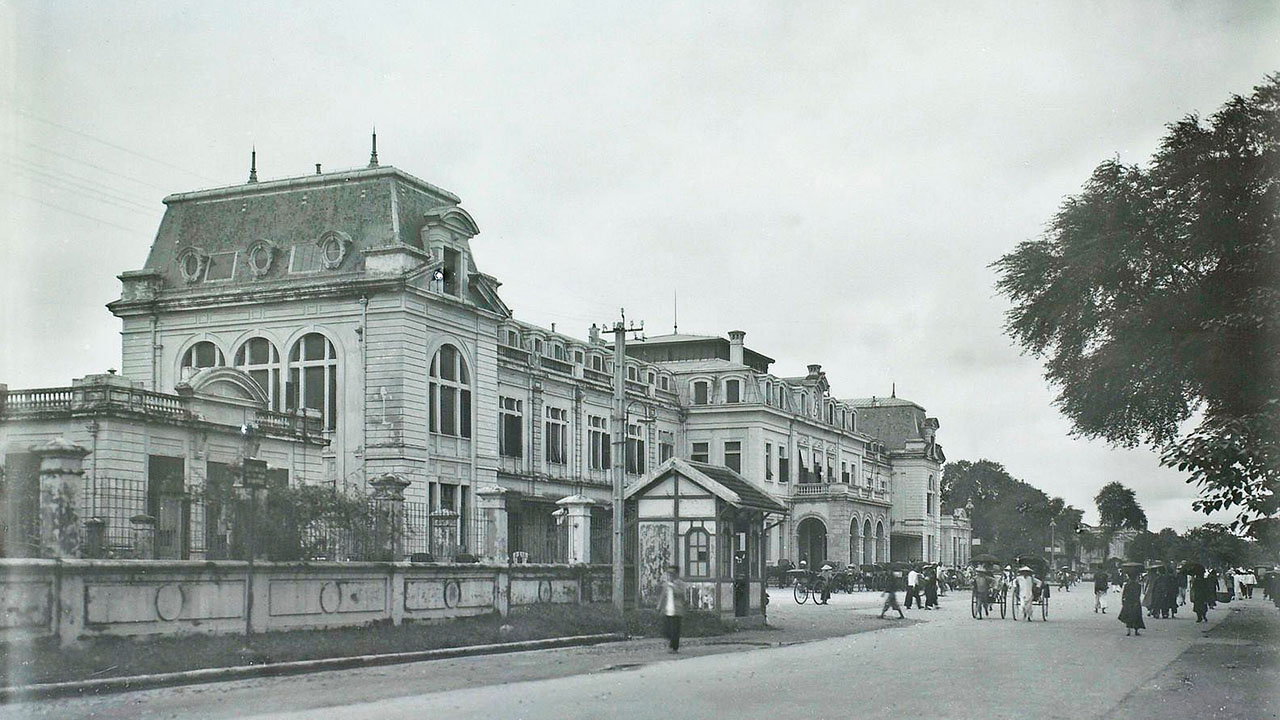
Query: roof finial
[(675, 312), (894, 392), (373, 154), (253, 165)]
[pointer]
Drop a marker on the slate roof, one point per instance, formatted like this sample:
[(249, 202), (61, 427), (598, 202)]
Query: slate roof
[(880, 402), (373, 206)]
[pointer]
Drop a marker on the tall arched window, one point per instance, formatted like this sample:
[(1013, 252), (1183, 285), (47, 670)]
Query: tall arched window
[(259, 358), (732, 392), (700, 393), (313, 378), (203, 354), (450, 393)]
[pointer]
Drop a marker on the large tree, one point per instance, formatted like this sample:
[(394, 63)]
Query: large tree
[(1118, 508), (1009, 515), (1154, 298)]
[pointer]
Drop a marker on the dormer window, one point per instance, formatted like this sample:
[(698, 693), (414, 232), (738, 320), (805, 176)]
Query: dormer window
[(452, 272), (700, 393), (537, 346), (732, 391), (513, 338), (558, 352), (631, 373), (597, 363), (664, 383)]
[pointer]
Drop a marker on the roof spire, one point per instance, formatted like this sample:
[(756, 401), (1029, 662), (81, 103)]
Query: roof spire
[(373, 154), (253, 165), (675, 312), (894, 392)]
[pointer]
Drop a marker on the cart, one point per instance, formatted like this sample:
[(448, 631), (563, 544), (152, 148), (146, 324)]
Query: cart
[(1040, 570), (804, 583), (997, 593)]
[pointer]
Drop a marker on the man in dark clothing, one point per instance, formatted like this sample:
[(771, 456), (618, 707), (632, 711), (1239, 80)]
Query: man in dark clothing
[(1100, 586), (1201, 591), (931, 589)]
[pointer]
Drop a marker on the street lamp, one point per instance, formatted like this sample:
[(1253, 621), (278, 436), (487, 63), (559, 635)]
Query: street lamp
[(253, 477), (1053, 545)]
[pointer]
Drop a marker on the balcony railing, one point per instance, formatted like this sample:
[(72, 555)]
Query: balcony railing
[(94, 397), (514, 353), (557, 366), (100, 398), (597, 376)]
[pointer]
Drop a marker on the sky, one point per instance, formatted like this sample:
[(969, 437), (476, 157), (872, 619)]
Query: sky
[(834, 179)]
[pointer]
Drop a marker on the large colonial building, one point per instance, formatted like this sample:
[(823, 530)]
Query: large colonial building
[(347, 313)]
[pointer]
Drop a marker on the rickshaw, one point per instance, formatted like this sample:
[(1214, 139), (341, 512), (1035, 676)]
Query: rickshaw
[(1040, 570), (998, 591), (805, 582)]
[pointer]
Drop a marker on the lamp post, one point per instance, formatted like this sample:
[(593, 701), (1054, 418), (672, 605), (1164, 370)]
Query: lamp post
[(253, 477), (1053, 545)]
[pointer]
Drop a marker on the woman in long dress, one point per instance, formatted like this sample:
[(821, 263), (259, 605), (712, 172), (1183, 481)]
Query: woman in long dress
[(1131, 607)]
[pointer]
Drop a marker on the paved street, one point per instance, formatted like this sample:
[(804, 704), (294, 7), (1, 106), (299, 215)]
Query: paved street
[(937, 664)]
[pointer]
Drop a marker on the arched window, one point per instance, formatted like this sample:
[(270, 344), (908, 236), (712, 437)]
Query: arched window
[(450, 393), (732, 391), (631, 373), (697, 553), (203, 354), (313, 378), (597, 363), (259, 358), (700, 393)]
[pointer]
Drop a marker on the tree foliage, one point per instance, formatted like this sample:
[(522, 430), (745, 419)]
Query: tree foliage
[(1009, 515), (1154, 298), (1118, 509)]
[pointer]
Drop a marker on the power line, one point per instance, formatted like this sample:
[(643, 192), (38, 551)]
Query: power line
[(109, 171), (72, 185), (110, 144), (60, 209), (89, 184)]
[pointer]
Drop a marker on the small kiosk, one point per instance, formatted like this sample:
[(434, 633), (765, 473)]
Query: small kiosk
[(710, 521)]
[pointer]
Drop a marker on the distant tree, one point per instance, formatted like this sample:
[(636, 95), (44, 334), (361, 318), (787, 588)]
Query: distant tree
[(1009, 515), (1215, 545), (1155, 295), (1118, 509)]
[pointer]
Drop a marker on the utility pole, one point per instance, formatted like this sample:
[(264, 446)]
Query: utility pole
[(619, 442)]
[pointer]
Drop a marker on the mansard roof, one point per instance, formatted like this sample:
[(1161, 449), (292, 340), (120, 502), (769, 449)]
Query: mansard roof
[(873, 401), (365, 208)]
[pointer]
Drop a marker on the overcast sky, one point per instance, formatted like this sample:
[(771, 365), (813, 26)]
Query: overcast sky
[(832, 178)]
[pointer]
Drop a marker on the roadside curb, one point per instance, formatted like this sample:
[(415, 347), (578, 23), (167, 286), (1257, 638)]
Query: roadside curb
[(206, 675)]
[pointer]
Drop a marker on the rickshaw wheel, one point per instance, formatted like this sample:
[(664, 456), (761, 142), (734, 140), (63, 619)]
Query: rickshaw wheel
[(1044, 610), (801, 592), (973, 606), (1003, 610)]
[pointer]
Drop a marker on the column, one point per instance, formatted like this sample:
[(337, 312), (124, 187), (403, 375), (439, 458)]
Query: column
[(388, 501), (578, 518), (491, 502), (61, 484)]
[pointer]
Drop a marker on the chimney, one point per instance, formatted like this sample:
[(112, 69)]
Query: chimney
[(594, 334), (815, 370), (317, 168), (735, 346)]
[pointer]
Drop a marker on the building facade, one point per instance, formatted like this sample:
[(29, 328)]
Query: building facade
[(354, 301)]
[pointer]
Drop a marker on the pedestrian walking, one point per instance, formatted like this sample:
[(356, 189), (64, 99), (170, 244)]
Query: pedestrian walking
[(1201, 590), (671, 606), (891, 595), (1026, 591), (1100, 585), (982, 592), (828, 576), (931, 589), (913, 588), (1131, 605)]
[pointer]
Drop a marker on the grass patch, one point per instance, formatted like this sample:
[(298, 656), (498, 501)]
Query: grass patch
[(44, 662)]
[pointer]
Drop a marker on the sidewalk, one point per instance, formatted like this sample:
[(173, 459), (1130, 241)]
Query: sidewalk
[(1232, 671), (789, 624)]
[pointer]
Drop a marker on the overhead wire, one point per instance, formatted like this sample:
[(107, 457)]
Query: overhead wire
[(110, 144), (62, 209), (91, 192)]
